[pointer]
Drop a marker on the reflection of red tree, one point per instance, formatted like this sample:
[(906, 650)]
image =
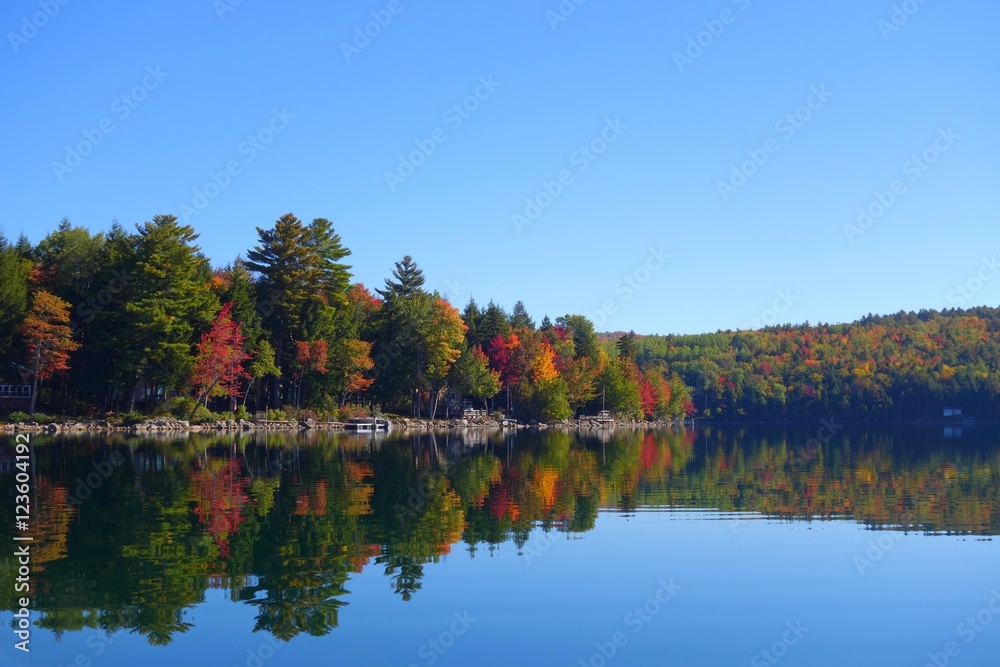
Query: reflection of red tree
[(362, 555), (649, 453), (501, 503), (312, 501), (220, 494)]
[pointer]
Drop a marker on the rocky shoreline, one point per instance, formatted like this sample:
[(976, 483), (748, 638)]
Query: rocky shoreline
[(167, 424)]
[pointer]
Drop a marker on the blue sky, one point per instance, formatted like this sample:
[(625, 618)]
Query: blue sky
[(640, 234)]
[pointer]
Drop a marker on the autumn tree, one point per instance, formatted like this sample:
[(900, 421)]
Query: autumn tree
[(442, 340), (48, 339), (310, 357), (218, 366), (350, 364), (473, 376)]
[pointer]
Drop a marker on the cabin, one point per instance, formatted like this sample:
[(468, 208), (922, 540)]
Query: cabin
[(456, 404), (15, 397)]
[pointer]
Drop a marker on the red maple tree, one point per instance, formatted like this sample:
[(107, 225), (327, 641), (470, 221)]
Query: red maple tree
[(218, 366)]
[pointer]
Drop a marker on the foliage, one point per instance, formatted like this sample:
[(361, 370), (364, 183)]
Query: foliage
[(48, 339), (218, 365)]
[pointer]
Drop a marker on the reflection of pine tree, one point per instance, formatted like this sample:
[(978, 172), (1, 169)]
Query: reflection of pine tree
[(296, 601), (405, 572)]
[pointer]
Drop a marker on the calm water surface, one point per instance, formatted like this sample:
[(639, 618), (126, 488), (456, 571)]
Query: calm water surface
[(710, 546)]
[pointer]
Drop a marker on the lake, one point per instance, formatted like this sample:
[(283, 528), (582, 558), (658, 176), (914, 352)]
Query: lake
[(715, 545)]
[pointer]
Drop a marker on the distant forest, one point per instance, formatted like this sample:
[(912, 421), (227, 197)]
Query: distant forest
[(140, 323), (907, 366)]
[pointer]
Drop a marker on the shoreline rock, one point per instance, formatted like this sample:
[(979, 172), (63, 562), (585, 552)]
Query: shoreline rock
[(169, 424)]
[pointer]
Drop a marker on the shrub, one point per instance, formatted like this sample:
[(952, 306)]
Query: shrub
[(42, 418), (276, 414), (132, 418), (242, 413), (179, 407), (203, 415), (351, 411), (18, 417)]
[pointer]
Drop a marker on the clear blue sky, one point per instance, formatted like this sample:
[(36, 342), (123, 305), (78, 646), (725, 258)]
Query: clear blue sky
[(654, 189)]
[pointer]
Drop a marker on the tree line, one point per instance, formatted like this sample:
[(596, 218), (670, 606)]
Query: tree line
[(906, 366), (140, 321)]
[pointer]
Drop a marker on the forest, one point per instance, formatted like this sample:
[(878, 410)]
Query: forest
[(135, 323), (139, 323)]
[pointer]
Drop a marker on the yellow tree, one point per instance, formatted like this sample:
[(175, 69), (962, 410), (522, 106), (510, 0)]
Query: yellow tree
[(48, 337), (354, 360), (443, 339)]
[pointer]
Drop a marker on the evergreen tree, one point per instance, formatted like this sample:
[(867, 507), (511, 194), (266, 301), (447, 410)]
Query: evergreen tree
[(15, 270), (494, 323), (519, 318), (472, 317), (168, 301), (627, 346), (408, 283), (291, 266), (335, 275), (398, 351), (584, 337)]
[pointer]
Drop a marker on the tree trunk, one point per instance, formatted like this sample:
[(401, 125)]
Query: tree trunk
[(247, 392), (278, 358), (34, 394), (131, 396)]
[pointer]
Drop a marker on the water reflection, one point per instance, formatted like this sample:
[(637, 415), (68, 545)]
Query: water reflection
[(131, 533)]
